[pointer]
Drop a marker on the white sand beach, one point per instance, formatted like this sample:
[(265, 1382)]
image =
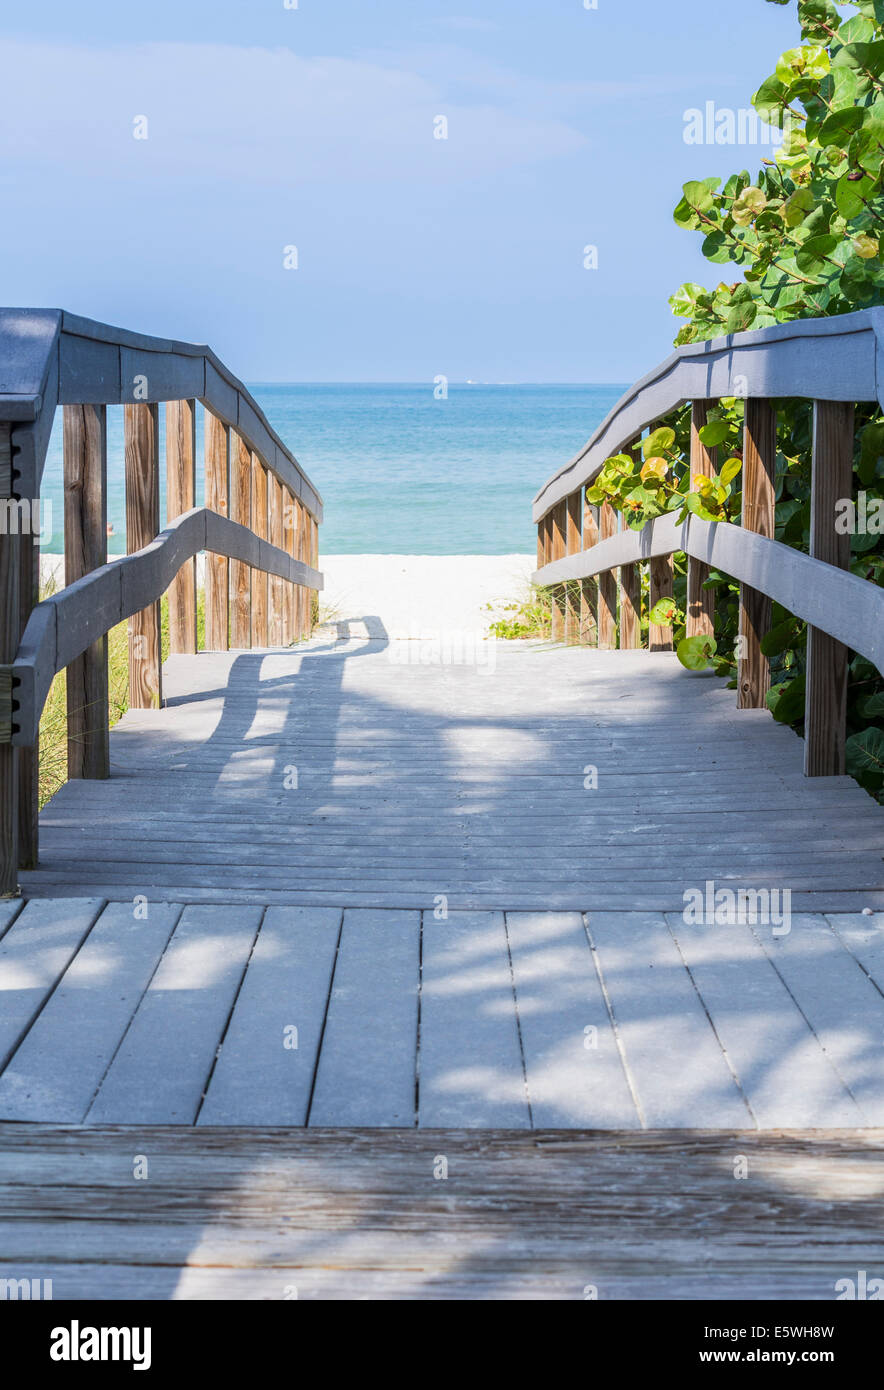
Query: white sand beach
[(410, 596)]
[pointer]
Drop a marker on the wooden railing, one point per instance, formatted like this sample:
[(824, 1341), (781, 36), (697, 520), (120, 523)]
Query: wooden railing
[(259, 529), (835, 363)]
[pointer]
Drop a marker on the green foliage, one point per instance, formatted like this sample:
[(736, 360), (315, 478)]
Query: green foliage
[(529, 618)]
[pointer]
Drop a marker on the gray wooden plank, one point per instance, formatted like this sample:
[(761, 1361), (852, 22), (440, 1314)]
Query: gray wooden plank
[(367, 1063), (34, 954), (58, 1068), (783, 1071), (470, 1061), (264, 1073), (8, 913), (163, 1064), (863, 935), (840, 1002), (575, 1078), (661, 1022)]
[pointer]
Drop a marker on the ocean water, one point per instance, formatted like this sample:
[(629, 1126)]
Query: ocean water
[(399, 471)]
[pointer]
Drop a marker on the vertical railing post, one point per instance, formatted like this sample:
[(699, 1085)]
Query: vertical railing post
[(141, 429), (660, 585), (240, 574), (630, 587), (314, 561), (825, 725), (259, 577), (10, 632), (275, 622), (180, 498), (607, 584), (217, 566), (589, 588), (85, 550), (700, 617), (574, 542), (759, 472), (289, 532), (559, 523), (28, 757)]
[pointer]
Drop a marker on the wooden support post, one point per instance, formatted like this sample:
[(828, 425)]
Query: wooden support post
[(607, 584), (275, 622), (314, 562), (589, 588), (759, 469), (559, 523), (240, 573), (141, 430), (661, 586), (630, 585), (825, 725), (700, 617), (29, 757), (10, 631), (259, 578), (217, 566), (180, 498), (574, 542), (289, 538), (85, 550)]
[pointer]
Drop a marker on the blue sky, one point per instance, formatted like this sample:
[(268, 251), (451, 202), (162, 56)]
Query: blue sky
[(313, 127)]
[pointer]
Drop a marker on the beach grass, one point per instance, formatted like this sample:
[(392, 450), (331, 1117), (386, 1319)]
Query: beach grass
[(525, 618)]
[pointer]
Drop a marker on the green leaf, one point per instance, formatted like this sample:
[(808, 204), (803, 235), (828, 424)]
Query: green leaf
[(865, 756), (871, 450), (779, 638), (658, 442), (730, 470), (838, 128), (715, 433), (812, 254), (786, 700), (873, 706), (696, 652), (664, 612)]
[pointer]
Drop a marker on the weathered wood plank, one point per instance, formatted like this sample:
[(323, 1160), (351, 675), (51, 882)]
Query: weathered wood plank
[(573, 543), (825, 729), (259, 595), (85, 550), (759, 472), (573, 1067), (217, 500), (607, 584), (700, 616), (240, 574), (471, 1071), (559, 547), (164, 1062), (367, 1065), (59, 1066), (661, 585), (275, 623), (181, 498), (141, 427), (589, 589), (265, 1069)]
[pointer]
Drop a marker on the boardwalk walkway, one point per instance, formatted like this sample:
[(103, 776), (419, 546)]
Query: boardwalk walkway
[(346, 885)]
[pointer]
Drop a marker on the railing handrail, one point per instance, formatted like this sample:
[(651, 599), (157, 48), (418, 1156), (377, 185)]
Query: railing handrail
[(64, 625), (50, 357), (835, 359), (834, 600)]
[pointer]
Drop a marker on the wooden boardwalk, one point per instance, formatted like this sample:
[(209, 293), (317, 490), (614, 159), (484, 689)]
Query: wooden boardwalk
[(325, 887)]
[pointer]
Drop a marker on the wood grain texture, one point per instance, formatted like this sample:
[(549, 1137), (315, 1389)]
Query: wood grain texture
[(240, 574), (660, 585), (607, 584), (85, 550), (630, 584), (275, 623), (181, 498), (759, 472), (10, 597), (28, 758), (141, 431), (700, 615), (259, 596), (5, 459), (825, 729), (290, 631), (217, 566), (349, 1214), (589, 588), (559, 548), (303, 550), (573, 543)]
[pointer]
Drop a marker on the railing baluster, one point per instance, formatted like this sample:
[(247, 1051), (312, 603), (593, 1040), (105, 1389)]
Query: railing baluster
[(559, 544), (661, 585), (240, 574), (85, 550), (259, 578), (217, 566), (574, 543), (589, 589), (607, 584), (825, 728), (289, 530), (630, 586), (10, 597), (275, 625), (759, 468), (314, 561), (141, 429), (181, 497), (700, 616)]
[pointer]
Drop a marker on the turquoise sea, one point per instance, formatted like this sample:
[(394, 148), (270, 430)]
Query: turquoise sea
[(399, 471)]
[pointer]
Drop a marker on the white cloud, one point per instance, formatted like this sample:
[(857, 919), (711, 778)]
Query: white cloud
[(259, 115)]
